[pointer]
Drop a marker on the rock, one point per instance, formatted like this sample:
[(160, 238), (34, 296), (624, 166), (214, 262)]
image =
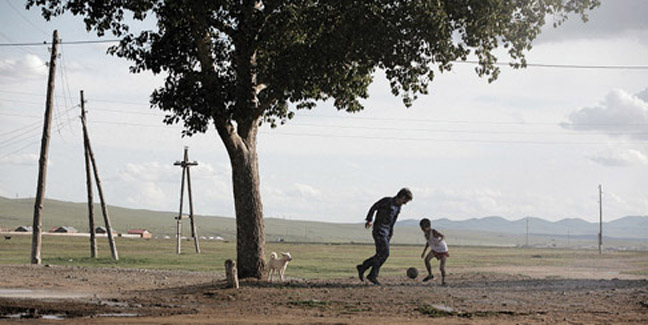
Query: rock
[(443, 308)]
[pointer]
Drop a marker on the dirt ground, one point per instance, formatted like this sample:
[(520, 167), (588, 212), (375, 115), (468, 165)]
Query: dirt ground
[(78, 295)]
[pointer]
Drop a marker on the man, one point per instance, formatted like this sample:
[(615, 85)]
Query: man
[(386, 210)]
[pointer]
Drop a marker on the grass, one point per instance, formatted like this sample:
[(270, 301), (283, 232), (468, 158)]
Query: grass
[(308, 258), (19, 212)]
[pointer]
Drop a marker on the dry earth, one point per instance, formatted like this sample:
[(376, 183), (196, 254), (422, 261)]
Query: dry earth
[(50, 294)]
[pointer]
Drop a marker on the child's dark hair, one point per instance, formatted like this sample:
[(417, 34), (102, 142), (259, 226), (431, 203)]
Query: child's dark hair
[(405, 193), (424, 223)]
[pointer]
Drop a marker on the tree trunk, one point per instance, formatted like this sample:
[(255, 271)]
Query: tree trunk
[(241, 144), (250, 236)]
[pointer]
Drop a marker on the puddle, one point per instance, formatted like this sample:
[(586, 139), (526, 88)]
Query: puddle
[(32, 313), (118, 315), (32, 316), (41, 294)]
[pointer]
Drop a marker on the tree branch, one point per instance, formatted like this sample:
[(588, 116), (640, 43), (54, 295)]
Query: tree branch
[(232, 140)]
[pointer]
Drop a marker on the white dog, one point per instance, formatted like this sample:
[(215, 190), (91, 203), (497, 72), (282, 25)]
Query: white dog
[(278, 264)]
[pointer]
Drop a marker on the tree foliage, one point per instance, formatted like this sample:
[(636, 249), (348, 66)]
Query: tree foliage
[(308, 50)]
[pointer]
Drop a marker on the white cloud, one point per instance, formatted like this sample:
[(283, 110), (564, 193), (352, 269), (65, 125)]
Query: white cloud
[(291, 193), (29, 66), (306, 191), (149, 194), (611, 19), (620, 157), (20, 159), (146, 185), (149, 172), (155, 185), (463, 202), (619, 114)]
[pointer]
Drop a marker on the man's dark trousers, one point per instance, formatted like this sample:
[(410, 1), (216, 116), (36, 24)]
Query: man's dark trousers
[(376, 261)]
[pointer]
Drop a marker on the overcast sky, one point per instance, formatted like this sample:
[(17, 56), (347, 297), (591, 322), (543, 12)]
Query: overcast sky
[(537, 142)]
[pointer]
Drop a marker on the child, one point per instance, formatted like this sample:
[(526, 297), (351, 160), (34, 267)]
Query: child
[(438, 249)]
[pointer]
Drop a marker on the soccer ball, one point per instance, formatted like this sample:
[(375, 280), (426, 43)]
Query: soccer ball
[(412, 273)]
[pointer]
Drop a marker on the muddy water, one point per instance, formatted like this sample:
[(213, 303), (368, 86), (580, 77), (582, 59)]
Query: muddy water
[(41, 294)]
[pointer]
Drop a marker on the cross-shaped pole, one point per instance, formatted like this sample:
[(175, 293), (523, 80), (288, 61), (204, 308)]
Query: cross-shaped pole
[(186, 164)]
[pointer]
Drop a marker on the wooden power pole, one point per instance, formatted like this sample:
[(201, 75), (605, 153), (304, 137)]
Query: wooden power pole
[(600, 236), (104, 210), (185, 164), (91, 221), (42, 162), (527, 231)]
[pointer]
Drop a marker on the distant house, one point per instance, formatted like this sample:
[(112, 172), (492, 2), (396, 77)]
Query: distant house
[(141, 232), (103, 230), (24, 229), (66, 229)]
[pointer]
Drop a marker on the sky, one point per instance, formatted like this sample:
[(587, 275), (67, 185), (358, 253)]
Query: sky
[(537, 142)]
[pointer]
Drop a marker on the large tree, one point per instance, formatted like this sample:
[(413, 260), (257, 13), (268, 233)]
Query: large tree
[(237, 64)]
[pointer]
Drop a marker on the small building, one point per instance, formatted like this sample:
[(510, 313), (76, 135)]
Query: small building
[(103, 230), (66, 229), (24, 229), (143, 233)]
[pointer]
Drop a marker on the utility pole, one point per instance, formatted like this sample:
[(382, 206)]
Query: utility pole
[(527, 231), (42, 162), (86, 145), (600, 236), (185, 164), (104, 210)]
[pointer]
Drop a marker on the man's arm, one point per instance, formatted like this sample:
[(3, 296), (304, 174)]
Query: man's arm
[(371, 213), (425, 248), (391, 229)]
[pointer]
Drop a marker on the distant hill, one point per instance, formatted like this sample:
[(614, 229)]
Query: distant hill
[(629, 232), (635, 227), (19, 212)]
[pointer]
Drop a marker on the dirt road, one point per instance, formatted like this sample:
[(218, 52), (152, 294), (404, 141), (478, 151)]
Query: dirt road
[(78, 295)]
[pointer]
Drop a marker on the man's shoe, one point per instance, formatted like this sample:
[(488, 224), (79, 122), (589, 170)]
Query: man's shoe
[(373, 280), (428, 278), (361, 272)]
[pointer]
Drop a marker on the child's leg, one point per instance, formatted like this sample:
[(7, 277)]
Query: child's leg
[(428, 257), (442, 262)]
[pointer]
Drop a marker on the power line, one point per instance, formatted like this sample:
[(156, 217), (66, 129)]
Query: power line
[(66, 85), (508, 64), (4, 36), (442, 140), (27, 136), (464, 121), (448, 130), (360, 127), (45, 43), (28, 144), (20, 128), (567, 66), (25, 18), (27, 131), (19, 149), (137, 124)]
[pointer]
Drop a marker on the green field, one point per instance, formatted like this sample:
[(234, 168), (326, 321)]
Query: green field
[(19, 212), (310, 260)]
